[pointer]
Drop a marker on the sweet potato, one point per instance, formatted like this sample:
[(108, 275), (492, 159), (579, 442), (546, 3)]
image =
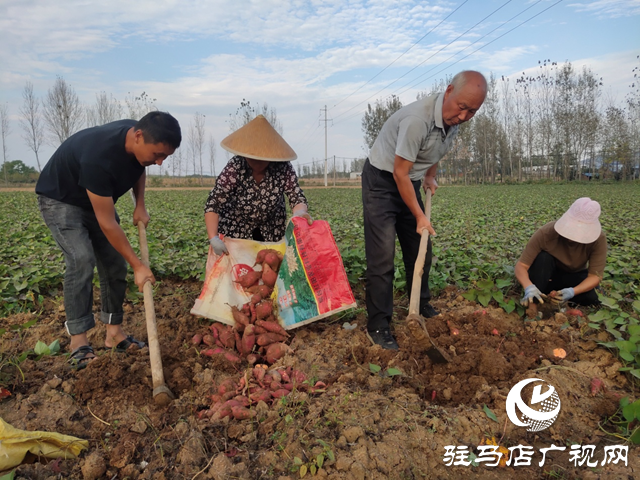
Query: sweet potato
[(242, 400), (272, 327), (265, 290), (276, 351), (227, 385), (196, 339), (232, 357), (265, 339), (258, 373), (260, 256), (258, 330), (283, 392), (285, 376), (210, 352), (263, 309), (273, 386), (271, 258), (298, 377), (252, 308), (276, 375), (249, 279), (248, 340), (242, 413), (269, 276), (227, 338), (239, 317), (208, 340), (214, 331), (246, 310), (253, 358), (260, 395), (256, 298)]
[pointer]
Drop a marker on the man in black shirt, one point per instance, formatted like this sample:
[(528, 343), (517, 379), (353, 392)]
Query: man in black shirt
[(77, 191)]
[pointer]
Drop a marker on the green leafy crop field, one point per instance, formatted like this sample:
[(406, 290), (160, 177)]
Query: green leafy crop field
[(481, 231)]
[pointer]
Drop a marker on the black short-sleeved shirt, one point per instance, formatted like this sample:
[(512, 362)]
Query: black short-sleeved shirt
[(93, 159)]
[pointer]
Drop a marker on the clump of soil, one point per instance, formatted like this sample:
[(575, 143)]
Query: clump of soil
[(365, 425)]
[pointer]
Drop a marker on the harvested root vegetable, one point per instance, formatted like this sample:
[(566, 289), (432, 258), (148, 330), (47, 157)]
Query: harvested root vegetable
[(208, 340), (265, 339), (248, 340), (253, 358), (269, 276), (276, 351), (275, 374), (575, 312), (272, 327), (227, 338), (196, 339), (271, 258), (249, 279), (260, 395), (210, 352), (256, 298), (232, 357), (242, 413), (239, 317), (282, 392), (559, 352), (596, 386), (263, 309)]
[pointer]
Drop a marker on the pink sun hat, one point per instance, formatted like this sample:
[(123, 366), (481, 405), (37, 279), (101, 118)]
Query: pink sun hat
[(580, 223)]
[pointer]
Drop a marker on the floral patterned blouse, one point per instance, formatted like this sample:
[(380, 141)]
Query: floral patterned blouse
[(244, 205)]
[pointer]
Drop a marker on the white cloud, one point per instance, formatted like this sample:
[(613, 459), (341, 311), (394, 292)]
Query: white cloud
[(609, 8)]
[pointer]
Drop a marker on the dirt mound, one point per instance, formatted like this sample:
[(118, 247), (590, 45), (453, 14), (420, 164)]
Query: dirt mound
[(365, 425)]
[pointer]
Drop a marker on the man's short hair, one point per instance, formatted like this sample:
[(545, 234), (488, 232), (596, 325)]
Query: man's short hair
[(160, 127), (461, 78)]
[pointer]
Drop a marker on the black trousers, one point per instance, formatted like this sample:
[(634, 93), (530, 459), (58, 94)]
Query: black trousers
[(547, 276), (385, 215)]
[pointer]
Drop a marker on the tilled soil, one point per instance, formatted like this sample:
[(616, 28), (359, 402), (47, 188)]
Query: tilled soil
[(365, 425)]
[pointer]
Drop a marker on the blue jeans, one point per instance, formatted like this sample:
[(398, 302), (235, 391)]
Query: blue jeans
[(385, 215), (78, 234), (545, 274)]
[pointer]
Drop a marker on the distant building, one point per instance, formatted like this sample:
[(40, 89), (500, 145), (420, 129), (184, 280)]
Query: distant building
[(355, 175)]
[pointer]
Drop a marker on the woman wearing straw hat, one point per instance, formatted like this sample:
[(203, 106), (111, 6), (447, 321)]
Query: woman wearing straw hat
[(565, 259), (248, 198)]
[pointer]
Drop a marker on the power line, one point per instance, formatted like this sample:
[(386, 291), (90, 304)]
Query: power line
[(466, 56), (468, 46), (401, 55), (428, 58)]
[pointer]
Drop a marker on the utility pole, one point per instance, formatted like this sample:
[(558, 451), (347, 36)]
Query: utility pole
[(325, 142), (334, 170)]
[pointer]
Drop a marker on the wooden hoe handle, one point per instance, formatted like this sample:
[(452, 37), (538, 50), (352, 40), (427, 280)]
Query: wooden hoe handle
[(414, 300), (161, 393)]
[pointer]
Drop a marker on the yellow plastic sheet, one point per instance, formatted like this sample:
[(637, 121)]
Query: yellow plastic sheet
[(15, 443)]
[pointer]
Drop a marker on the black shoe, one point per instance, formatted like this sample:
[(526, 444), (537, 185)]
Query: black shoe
[(383, 338), (427, 311)]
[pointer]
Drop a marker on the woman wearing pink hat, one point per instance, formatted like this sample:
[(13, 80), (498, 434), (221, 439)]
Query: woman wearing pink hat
[(565, 259)]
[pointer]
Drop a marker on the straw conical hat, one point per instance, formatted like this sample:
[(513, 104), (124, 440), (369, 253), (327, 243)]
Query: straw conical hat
[(259, 140)]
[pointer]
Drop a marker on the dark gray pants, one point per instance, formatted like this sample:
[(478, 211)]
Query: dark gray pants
[(78, 234), (385, 215)]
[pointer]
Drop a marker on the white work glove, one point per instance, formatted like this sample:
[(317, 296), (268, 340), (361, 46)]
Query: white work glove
[(218, 245), (530, 293), (564, 295), (304, 214)]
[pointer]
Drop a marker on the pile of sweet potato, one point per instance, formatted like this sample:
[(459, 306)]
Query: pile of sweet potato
[(256, 336), (234, 397)]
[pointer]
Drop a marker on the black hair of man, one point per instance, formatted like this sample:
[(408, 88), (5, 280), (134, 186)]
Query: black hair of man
[(160, 127)]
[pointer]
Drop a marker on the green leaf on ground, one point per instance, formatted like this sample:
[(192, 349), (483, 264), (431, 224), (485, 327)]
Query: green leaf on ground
[(489, 413)]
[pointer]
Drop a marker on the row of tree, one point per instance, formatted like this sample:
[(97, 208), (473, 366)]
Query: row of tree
[(557, 124), (60, 113)]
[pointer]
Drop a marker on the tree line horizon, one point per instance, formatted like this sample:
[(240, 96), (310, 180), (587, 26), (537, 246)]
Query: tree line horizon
[(556, 125)]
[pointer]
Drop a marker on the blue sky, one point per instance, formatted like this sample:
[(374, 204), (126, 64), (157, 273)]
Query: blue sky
[(298, 56)]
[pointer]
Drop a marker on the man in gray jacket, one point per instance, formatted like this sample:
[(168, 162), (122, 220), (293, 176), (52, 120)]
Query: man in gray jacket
[(404, 156)]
